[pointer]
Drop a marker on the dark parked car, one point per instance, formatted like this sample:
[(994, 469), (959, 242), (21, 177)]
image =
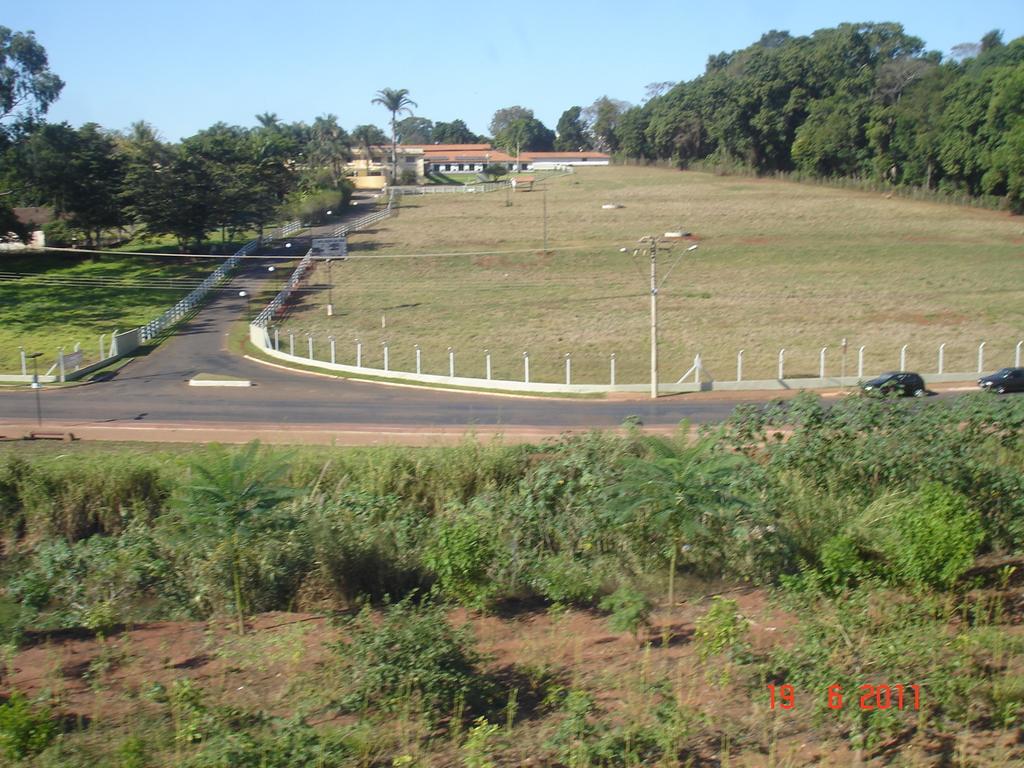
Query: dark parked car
[(897, 383), (1005, 380)]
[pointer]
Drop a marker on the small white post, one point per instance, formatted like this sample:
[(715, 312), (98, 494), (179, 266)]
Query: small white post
[(613, 369), (60, 363), (309, 343), (697, 368), (1016, 354), (291, 343), (981, 357), (419, 352), (359, 354), (451, 363), (487, 363), (568, 368), (526, 367), (333, 356), (903, 357), (860, 363), (942, 356), (782, 363), (277, 339), (383, 320), (386, 360), (24, 365), (739, 365), (103, 354), (821, 362)]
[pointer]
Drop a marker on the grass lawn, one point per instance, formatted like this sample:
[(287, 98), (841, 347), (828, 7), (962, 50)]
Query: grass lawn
[(67, 299), (780, 264)]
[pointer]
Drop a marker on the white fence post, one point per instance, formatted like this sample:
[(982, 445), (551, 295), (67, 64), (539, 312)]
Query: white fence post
[(698, 366), (1016, 354), (613, 369), (981, 357), (942, 356), (103, 355), (333, 357), (739, 365), (821, 362), (277, 339), (309, 342), (526, 367), (782, 363), (860, 363), (451, 363), (419, 358), (568, 368), (24, 365), (387, 361), (487, 363), (903, 357), (291, 343), (359, 354), (60, 363)]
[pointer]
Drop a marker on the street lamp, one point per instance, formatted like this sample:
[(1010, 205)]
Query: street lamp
[(34, 356), (245, 295), (653, 251)]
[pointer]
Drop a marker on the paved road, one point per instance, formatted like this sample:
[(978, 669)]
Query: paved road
[(154, 390)]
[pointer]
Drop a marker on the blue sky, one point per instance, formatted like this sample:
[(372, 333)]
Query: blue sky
[(185, 65)]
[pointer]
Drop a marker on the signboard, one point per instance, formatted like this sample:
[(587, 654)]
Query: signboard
[(330, 247)]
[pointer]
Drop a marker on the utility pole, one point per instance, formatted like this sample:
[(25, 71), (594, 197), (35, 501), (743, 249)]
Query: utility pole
[(654, 319)]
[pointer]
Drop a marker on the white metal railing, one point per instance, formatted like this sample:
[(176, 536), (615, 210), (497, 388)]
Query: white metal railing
[(441, 189), (364, 221), (154, 327), (262, 320)]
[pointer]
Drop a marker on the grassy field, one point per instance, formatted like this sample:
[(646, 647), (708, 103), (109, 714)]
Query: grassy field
[(780, 265), (64, 299)]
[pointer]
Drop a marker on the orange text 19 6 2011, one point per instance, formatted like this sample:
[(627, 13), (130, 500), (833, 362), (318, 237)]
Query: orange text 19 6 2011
[(867, 697)]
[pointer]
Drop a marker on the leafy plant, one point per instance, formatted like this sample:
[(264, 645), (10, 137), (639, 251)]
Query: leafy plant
[(629, 608), (409, 650), (670, 494), (461, 555), (723, 629), (25, 729), (228, 504)]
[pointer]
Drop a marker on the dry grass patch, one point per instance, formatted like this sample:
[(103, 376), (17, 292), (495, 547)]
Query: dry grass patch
[(780, 265)]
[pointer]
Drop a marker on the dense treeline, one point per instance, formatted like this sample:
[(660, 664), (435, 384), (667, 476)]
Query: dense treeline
[(861, 100)]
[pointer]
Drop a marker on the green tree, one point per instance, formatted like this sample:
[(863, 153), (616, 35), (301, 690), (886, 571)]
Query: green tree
[(415, 130), (396, 101), (27, 86), (505, 116), (368, 137), (571, 131), (670, 494), (530, 135), (455, 132), (602, 119), (228, 505)]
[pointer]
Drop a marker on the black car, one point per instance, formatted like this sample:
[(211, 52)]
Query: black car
[(1004, 380), (897, 383)]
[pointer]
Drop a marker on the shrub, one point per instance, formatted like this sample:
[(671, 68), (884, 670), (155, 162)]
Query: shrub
[(722, 629), (58, 234), (460, 556), (933, 534), (629, 609), (25, 729), (410, 650)]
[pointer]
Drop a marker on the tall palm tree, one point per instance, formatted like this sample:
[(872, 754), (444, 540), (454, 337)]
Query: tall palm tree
[(367, 136), (395, 101)]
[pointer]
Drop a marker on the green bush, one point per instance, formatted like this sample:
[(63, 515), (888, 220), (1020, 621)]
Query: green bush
[(723, 629), (460, 555), (409, 650), (25, 729), (630, 610), (932, 536), (58, 234)]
